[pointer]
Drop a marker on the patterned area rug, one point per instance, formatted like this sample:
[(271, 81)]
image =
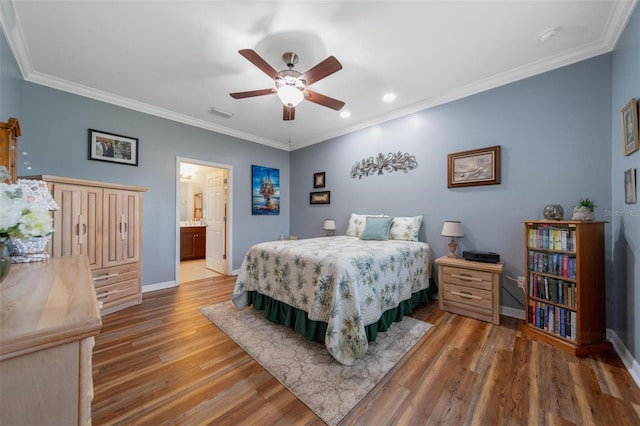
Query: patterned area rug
[(327, 387)]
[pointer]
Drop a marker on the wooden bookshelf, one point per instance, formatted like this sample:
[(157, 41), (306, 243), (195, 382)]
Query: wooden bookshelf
[(565, 285)]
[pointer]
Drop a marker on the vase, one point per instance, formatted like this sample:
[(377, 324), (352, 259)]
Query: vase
[(33, 249), (582, 213), (553, 212), (5, 260)]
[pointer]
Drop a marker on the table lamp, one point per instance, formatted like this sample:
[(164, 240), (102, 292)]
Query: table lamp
[(453, 229), (329, 226)]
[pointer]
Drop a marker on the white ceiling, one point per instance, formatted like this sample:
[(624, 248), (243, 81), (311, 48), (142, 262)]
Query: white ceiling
[(178, 59)]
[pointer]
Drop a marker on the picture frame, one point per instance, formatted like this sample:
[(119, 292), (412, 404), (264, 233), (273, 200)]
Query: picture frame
[(318, 180), (265, 190), (320, 197), (474, 167), (630, 186), (113, 148), (629, 118)]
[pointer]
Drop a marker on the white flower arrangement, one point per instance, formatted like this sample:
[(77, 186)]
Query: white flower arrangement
[(21, 216)]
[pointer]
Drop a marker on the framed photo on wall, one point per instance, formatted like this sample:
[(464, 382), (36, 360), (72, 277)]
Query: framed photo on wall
[(474, 167), (629, 117), (265, 190), (113, 148), (630, 186), (318, 180), (320, 197)]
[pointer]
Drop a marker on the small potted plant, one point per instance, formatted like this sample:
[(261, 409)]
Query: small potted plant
[(584, 210)]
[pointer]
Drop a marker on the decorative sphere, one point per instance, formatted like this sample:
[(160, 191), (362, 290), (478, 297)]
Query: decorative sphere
[(553, 212)]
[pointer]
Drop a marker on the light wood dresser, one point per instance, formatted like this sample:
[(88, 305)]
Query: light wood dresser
[(470, 288), (48, 319)]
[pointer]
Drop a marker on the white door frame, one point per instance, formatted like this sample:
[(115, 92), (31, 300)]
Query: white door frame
[(229, 248)]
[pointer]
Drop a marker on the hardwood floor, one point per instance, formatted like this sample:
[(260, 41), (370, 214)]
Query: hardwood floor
[(164, 363)]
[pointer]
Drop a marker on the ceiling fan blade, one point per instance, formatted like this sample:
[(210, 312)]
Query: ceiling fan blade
[(320, 71), (324, 100), (288, 113), (257, 60), (251, 93)]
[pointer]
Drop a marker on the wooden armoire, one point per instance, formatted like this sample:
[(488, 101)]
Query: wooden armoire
[(104, 222)]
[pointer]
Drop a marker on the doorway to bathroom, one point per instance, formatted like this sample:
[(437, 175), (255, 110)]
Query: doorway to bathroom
[(203, 219)]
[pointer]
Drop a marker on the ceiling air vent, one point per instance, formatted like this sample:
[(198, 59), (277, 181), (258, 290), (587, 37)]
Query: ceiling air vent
[(220, 112)]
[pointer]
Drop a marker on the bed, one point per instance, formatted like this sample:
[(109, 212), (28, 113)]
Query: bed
[(339, 290)]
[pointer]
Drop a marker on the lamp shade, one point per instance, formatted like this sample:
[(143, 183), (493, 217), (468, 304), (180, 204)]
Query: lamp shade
[(290, 95), (329, 225), (452, 228)]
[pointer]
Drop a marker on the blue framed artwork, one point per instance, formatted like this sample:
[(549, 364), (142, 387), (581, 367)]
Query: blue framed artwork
[(265, 190)]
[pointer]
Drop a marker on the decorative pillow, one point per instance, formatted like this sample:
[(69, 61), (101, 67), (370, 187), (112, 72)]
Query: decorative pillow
[(357, 223), (405, 228), (377, 228)]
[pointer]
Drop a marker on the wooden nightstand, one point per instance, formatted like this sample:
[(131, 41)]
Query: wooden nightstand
[(470, 288)]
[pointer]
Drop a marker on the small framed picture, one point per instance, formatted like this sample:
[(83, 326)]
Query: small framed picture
[(318, 180), (113, 148), (320, 197), (473, 168), (630, 186), (629, 117)]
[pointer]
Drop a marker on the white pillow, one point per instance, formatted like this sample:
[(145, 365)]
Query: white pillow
[(405, 228), (357, 223)]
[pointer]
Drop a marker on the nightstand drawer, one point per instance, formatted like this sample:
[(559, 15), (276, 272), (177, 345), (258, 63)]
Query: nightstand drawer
[(467, 277), (467, 295)]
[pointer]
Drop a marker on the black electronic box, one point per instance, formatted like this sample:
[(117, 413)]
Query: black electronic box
[(481, 256)]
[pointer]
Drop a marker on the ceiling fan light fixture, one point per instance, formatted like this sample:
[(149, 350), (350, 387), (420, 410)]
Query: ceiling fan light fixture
[(290, 95)]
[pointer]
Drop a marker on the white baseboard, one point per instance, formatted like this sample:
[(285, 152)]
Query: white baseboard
[(158, 286), (512, 312), (624, 354), (235, 272)]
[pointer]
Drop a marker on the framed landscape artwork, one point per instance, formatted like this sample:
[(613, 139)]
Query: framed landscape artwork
[(474, 167), (113, 148), (320, 197), (630, 196), (318, 180), (265, 190), (629, 117)]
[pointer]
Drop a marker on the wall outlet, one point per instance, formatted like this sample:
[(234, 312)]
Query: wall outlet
[(521, 282)]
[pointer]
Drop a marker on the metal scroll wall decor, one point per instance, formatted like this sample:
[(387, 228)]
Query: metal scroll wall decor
[(392, 162)]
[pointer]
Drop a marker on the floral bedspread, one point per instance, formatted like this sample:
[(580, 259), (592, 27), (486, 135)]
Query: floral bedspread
[(343, 281)]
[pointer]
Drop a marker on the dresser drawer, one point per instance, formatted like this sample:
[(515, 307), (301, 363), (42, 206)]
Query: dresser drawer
[(108, 276), (467, 277), (467, 295), (118, 293)]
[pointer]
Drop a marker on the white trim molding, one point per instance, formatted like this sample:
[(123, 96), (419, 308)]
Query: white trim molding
[(627, 358)]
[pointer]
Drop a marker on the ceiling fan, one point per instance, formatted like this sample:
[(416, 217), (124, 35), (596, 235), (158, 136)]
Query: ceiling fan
[(290, 85)]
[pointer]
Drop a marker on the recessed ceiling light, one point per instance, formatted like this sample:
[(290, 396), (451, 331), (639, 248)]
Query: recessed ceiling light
[(345, 114), (389, 97), (548, 34)]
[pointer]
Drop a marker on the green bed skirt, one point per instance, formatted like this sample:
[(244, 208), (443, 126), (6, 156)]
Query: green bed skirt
[(281, 313)]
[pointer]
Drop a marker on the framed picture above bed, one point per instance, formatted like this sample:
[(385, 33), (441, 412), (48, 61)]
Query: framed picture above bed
[(320, 197), (318, 180), (474, 167), (265, 190)]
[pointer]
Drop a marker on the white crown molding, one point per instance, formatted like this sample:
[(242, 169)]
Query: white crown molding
[(15, 38), (99, 95)]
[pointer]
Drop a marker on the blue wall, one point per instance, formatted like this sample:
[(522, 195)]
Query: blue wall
[(623, 287), (10, 83), (554, 132)]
